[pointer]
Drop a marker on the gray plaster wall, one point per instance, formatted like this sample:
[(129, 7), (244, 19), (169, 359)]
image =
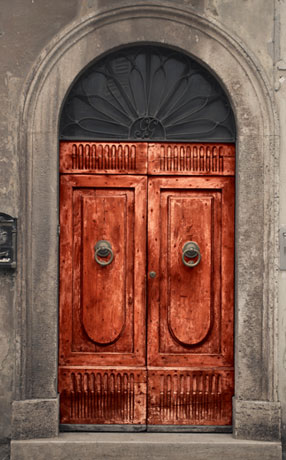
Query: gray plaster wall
[(280, 87), (26, 27)]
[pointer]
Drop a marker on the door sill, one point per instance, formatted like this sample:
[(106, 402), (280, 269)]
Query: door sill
[(117, 428)]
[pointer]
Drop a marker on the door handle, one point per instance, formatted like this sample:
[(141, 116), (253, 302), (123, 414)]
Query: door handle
[(192, 251), (103, 249)]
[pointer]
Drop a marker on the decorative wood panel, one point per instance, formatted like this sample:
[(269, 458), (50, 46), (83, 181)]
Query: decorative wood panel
[(191, 159), (97, 306), (137, 158), (103, 158), (187, 293), (104, 372), (190, 317), (102, 308), (190, 397), (102, 396)]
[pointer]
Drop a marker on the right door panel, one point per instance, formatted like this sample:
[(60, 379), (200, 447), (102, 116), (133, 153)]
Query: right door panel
[(190, 312)]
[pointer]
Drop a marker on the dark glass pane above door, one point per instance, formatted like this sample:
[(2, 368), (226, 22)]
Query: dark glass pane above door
[(147, 93)]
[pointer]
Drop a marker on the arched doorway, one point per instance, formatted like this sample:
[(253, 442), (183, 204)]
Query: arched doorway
[(256, 409), (147, 163)]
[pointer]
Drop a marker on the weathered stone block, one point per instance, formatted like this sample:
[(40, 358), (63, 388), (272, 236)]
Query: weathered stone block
[(257, 420), (35, 418)]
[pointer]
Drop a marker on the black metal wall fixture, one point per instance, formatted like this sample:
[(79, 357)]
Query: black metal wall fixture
[(147, 93), (8, 241)]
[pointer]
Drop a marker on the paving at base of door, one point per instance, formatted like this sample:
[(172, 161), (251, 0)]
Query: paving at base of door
[(142, 446)]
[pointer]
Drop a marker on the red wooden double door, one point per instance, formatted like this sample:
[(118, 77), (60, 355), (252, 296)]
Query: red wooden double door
[(146, 321)]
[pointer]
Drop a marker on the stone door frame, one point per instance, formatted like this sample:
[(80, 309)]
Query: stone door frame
[(256, 412)]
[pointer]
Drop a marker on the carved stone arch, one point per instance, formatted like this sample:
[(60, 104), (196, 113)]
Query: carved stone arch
[(256, 217)]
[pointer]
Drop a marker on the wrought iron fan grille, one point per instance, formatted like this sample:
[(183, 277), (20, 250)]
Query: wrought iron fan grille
[(147, 93)]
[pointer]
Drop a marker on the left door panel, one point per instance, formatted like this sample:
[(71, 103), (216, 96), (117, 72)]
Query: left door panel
[(102, 351)]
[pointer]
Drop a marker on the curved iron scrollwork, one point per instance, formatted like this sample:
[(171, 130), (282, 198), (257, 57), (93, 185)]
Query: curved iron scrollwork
[(149, 93), (147, 128)]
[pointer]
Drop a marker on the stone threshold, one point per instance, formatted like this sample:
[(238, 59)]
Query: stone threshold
[(144, 446)]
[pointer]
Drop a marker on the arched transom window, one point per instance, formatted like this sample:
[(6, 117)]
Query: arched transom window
[(147, 93)]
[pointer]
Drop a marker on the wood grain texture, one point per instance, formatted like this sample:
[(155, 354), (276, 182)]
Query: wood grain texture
[(102, 396), (103, 157), (190, 315), (194, 159), (189, 301), (104, 217), (190, 397), (108, 356), (102, 309), (190, 310)]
